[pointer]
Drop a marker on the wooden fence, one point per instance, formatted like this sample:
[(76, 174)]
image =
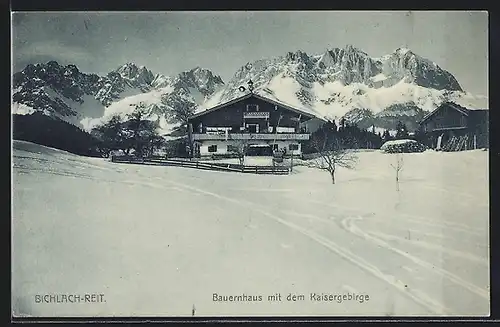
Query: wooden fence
[(161, 161)]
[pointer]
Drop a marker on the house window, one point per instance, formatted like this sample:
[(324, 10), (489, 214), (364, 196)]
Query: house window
[(232, 148), (293, 147), (252, 107), (212, 148)]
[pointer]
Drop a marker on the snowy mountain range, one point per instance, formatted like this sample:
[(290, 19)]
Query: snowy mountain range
[(347, 82), (84, 100), (342, 82)]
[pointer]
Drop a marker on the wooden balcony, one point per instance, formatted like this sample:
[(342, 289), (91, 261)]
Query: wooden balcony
[(251, 136)]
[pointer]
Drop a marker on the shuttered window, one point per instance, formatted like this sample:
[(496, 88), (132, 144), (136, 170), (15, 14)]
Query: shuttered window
[(252, 107)]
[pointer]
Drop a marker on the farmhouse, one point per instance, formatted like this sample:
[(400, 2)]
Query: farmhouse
[(263, 126), (453, 127)]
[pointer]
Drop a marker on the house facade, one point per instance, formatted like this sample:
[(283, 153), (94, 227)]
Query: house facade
[(452, 122), (261, 125)]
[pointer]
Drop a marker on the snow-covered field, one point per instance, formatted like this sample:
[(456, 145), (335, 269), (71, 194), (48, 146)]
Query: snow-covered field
[(160, 241)]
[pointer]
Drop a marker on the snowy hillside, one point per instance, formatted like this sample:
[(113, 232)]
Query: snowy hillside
[(160, 241), (189, 89)]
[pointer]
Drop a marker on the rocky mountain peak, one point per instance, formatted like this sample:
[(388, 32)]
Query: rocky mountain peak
[(128, 69), (298, 55), (403, 51), (71, 70), (327, 59), (404, 64), (206, 75), (201, 79), (349, 48), (138, 75), (349, 65), (53, 64)]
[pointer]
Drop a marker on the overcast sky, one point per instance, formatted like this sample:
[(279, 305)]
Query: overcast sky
[(171, 42)]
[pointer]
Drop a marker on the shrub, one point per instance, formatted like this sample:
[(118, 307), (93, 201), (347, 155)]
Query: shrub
[(403, 146)]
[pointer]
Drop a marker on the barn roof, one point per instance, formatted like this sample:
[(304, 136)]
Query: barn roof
[(464, 111), (302, 111), (479, 116)]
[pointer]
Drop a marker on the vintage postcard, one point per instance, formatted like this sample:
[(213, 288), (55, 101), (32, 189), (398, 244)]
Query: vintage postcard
[(250, 164)]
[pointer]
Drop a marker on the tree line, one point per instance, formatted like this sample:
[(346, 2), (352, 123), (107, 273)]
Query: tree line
[(134, 134), (53, 132), (352, 135)]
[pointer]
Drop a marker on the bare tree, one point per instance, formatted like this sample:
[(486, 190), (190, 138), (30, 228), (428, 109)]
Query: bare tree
[(111, 136), (142, 131), (398, 168), (181, 110), (334, 152), (239, 148)]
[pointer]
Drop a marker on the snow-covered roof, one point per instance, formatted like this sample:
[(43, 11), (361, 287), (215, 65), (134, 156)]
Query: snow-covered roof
[(396, 142), (259, 145), (301, 111)]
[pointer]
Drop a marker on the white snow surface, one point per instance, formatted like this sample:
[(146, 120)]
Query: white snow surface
[(127, 92), (90, 107), (379, 77), (357, 95), (159, 241)]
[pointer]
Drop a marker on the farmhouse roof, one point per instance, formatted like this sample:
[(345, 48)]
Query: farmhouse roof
[(479, 116), (464, 111), (302, 111)]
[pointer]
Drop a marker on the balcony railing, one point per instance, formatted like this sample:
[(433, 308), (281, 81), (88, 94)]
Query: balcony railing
[(252, 136)]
